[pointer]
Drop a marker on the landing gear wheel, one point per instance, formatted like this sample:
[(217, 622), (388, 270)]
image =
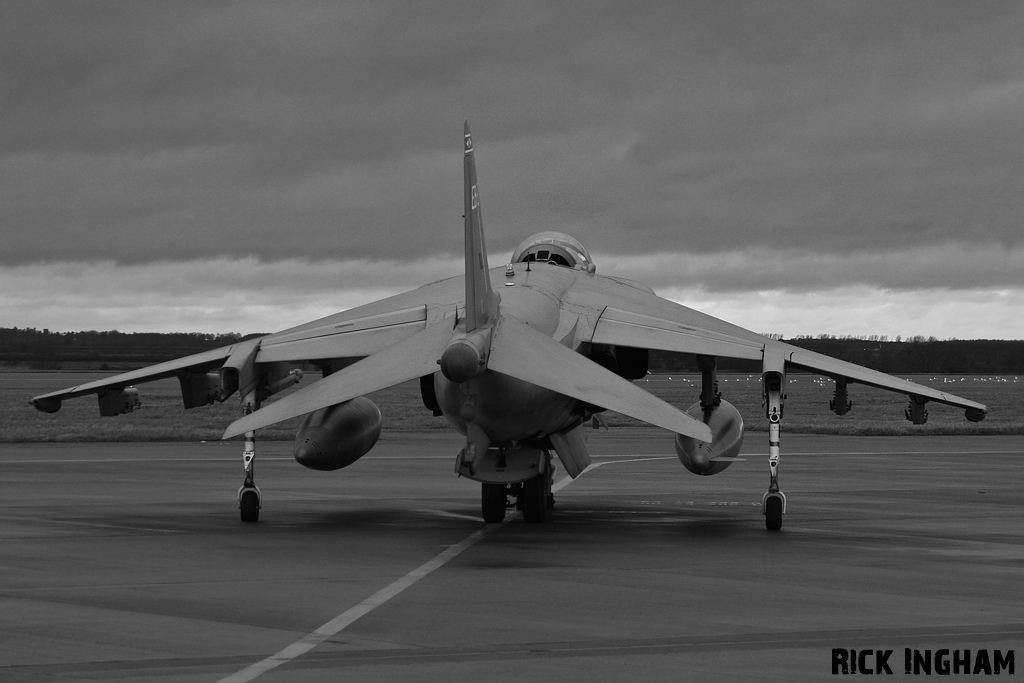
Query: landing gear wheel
[(249, 505), (773, 513), (493, 501), (535, 499)]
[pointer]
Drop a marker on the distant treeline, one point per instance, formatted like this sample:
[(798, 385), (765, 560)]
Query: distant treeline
[(43, 349), (913, 356)]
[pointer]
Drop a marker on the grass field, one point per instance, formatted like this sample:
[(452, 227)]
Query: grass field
[(162, 418)]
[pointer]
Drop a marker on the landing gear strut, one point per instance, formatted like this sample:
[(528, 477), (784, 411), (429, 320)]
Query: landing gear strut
[(773, 503), (249, 497)]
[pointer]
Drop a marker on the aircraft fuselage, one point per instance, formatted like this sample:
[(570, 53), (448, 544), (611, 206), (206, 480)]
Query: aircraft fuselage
[(507, 409)]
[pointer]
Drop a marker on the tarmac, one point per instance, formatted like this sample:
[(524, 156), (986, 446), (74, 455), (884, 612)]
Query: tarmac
[(128, 562)]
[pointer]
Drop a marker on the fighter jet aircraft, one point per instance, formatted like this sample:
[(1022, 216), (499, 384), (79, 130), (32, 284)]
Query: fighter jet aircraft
[(517, 358)]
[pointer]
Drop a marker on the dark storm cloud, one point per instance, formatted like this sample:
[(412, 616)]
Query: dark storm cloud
[(172, 131)]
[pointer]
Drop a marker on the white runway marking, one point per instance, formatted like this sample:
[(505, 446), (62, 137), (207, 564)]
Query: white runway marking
[(752, 454), (634, 458), (122, 527), (154, 460), (335, 625), (343, 620), (452, 515)]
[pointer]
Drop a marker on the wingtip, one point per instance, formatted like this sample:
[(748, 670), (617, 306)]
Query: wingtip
[(976, 414), (45, 404)]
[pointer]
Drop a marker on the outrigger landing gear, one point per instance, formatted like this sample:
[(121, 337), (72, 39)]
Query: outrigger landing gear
[(249, 497), (773, 503)]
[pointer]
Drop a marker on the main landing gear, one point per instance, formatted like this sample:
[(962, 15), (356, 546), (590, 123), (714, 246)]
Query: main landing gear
[(493, 501), (535, 497), (532, 496), (773, 503)]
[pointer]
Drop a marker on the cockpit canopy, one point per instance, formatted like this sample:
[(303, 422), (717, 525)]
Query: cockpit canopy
[(555, 248)]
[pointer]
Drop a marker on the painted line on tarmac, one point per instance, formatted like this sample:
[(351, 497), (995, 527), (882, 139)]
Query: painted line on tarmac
[(122, 527), (816, 453), (750, 454), (982, 452), (346, 618), (450, 515), (156, 460), (161, 460), (620, 457)]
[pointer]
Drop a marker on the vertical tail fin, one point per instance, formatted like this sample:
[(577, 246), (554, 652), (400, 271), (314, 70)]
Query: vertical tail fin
[(481, 300)]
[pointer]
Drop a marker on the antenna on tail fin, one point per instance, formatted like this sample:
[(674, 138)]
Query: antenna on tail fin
[(481, 300)]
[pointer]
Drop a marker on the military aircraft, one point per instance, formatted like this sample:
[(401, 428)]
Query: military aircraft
[(517, 358)]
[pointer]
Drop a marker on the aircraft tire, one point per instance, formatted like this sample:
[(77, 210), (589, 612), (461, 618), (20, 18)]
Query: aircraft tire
[(535, 499), (773, 513), (249, 505), (493, 500)]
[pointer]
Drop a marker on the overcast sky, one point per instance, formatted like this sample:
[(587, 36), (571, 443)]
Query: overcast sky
[(793, 167)]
